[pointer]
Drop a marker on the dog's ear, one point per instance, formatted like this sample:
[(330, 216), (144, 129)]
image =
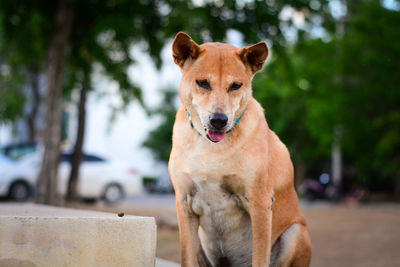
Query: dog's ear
[(184, 48), (254, 56)]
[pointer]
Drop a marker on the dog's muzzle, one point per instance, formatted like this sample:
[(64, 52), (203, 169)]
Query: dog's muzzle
[(217, 127), (218, 121)]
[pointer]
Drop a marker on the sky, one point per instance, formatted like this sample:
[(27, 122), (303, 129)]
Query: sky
[(121, 139)]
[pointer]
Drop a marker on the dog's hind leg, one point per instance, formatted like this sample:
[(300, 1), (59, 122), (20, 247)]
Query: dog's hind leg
[(293, 248)]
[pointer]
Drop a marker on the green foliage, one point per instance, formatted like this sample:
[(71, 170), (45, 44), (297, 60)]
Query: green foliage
[(23, 41), (11, 98), (350, 82), (372, 80), (309, 88), (255, 20), (103, 32), (25, 29)]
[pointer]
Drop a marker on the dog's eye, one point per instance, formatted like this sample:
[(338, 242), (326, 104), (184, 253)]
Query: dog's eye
[(203, 84), (235, 86)]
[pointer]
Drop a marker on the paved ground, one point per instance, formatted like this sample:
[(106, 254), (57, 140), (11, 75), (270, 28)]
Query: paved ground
[(354, 236), (342, 235)]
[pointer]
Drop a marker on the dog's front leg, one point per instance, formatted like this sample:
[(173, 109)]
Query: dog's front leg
[(188, 230), (261, 219)]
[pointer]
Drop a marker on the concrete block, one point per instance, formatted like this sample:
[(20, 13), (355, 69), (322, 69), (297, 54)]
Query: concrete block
[(165, 263), (36, 235)]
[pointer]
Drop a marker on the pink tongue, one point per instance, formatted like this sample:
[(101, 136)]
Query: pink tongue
[(216, 136)]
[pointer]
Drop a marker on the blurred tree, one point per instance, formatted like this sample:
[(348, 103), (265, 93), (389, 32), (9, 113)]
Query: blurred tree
[(77, 154), (106, 31), (33, 21), (57, 49), (348, 81), (85, 33), (103, 41), (22, 61), (102, 31), (11, 97), (372, 105), (159, 139)]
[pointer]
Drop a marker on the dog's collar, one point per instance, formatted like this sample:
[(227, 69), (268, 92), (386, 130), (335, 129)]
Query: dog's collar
[(191, 122), (236, 122)]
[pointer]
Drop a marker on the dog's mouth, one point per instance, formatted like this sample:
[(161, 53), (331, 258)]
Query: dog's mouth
[(215, 136)]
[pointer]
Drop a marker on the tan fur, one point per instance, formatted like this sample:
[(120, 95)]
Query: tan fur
[(224, 190)]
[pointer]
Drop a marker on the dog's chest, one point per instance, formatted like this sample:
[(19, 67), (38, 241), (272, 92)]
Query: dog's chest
[(217, 190), (217, 194), (218, 197), (225, 227)]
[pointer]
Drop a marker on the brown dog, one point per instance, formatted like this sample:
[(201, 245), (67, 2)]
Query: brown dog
[(232, 175)]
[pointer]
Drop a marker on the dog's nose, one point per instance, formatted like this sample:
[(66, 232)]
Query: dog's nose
[(218, 120)]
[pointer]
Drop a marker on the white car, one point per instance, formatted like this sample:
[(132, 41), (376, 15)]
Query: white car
[(99, 178), (17, 178)]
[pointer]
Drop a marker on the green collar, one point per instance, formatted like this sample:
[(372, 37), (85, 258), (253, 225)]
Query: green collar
[(236, 122), (191, 122)]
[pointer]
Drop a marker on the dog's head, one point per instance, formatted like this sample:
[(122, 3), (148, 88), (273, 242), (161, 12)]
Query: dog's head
[(216, 81)]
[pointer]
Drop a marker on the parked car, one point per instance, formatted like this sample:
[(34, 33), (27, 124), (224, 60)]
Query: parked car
[(100, 178), (17, 178), (17, 151)]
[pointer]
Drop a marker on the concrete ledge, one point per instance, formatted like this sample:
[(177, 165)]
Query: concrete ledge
[(35, 235), (165, 263)]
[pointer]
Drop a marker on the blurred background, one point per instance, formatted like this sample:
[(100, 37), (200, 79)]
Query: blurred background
[(89, 91)]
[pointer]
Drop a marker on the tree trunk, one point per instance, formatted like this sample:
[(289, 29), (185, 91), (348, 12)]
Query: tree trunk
[(336, 158), (397, 186), (31, 117), (77, 155), (47, 182), (300, 174)]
